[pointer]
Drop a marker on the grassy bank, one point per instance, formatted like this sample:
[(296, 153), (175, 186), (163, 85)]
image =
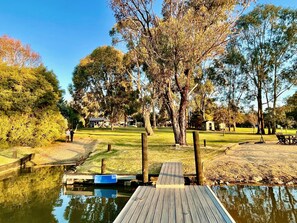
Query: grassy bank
[(125, 157)]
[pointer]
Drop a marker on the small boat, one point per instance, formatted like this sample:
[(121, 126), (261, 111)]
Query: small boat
[(105, 179)]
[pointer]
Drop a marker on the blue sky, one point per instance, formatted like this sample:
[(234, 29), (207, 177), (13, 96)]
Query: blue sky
[(64, 31)]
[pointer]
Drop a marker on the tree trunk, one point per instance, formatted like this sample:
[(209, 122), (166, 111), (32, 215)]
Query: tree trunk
[(269, 128), (173, 115), (274, 102), (154, 116), (234, 126), (183, 119), (147, 122), (126, 118), (261, 129), (175, 127)]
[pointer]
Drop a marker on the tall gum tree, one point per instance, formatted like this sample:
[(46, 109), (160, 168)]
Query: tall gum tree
[(268, 41), (140, 75), (188, 33), (227, 73)]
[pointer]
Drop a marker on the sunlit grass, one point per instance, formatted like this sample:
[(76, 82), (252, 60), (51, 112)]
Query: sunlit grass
[(5, 160), (125, 157)]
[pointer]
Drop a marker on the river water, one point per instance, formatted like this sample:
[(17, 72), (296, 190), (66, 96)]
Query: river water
[(253, 204), (37, 196)]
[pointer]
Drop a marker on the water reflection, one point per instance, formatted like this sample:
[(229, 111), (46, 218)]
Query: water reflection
[(36, 195), (250, 204), (40, 197)]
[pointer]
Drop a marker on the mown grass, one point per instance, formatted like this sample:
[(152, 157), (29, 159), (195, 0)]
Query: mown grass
[(5, 160), (125, 157)]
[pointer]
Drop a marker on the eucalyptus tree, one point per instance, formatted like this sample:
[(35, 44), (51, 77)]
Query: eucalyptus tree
[(146, 96), (101, 85), (188, 33), (268, 39), (227, 72), (202, 96), (291, 105)]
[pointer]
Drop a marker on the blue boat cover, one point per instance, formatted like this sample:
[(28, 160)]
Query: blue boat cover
[(105, 179)]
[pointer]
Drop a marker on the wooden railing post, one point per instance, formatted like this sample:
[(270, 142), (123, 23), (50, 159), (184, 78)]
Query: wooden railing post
[(109, 148), (144, 158), (103, 166), (198, 162)]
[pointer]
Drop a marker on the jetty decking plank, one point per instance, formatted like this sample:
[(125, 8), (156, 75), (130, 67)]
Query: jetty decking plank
[(141, 205), (178, 206), (165, 207), (153, 206), (171, 176), (204, 207), (185, 207), (173, 202), (197, 205), (130, 206), (172, 205), (147, 199), (193, 204), (224, 213)]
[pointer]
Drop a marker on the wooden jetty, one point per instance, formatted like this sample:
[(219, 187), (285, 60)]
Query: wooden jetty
[(171, 202), (171, 176)]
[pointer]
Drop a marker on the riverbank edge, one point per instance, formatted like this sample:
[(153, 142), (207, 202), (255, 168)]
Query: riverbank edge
[(251, 180)]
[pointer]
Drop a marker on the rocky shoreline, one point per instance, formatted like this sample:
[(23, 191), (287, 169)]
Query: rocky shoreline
[(271, 181), (254, 164)]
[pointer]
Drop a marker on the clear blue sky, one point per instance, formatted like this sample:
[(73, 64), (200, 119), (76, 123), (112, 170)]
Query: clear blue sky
[(64, 31)]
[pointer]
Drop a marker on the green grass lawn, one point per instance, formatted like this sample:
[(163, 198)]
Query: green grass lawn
[(125, 157)]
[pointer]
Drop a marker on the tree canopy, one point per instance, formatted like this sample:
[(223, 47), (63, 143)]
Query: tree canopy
[(101, 84), (14, 53), (28, 102), (174, 45), (268, 42)]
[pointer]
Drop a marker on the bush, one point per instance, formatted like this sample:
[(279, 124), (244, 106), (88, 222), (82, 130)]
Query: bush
[(27, 130)]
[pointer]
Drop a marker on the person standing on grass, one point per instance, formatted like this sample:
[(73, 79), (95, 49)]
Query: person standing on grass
[(67, 135), (71, 134)]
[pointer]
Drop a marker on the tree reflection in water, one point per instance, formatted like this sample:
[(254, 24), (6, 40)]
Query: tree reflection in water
[(37, 197), (250, 204), (91, 209)]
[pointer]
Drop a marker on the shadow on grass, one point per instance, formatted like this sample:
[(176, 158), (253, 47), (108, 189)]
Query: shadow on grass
[(103, 154)]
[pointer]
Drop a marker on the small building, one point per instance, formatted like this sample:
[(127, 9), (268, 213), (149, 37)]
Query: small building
[(221, 126), (208, 125), (98, 123)]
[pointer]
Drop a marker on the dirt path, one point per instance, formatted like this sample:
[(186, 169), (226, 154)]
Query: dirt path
[(62, 152), (251, 163)]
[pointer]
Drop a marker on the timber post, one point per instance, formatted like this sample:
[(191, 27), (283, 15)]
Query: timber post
[(108, 147), (144, 158), (204, 141), (103, 166), (14, 154), (198, 162)]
